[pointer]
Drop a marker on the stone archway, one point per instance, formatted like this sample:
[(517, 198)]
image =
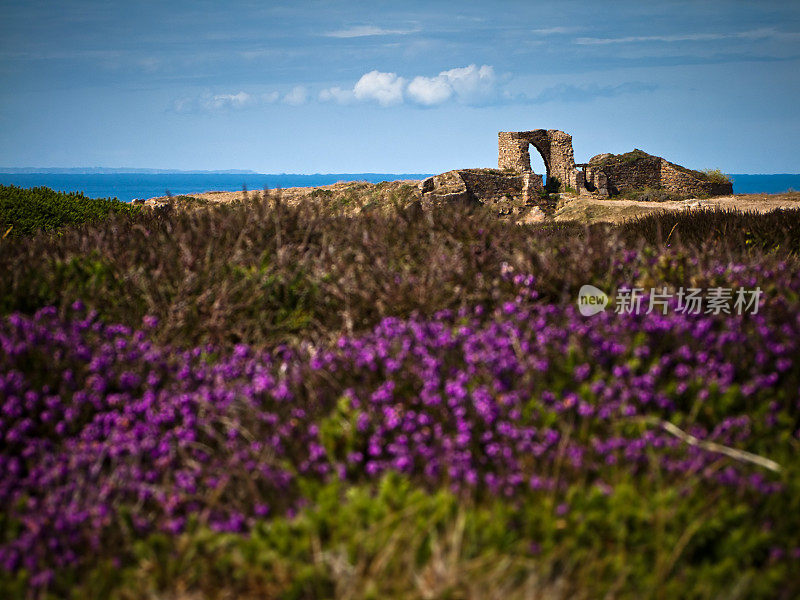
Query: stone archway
[(555, 147)]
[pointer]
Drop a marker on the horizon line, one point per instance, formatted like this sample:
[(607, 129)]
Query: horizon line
[(153, 171)]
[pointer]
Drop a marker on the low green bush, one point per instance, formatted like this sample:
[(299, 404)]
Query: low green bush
[(715, 176), (25, 211), (553, 185), (395, 540)]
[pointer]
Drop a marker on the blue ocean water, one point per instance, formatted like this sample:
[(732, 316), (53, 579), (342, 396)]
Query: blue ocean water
[(127, 186), (765, 184)]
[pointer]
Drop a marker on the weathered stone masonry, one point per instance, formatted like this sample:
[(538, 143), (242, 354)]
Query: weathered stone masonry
[(650, 171), (603, 176), (555, 147), (515, 187)]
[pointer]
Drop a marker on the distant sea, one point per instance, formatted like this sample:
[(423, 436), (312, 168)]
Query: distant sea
[(765, 184), (127, 186)]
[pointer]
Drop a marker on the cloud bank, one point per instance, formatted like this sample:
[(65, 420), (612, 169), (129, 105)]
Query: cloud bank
[(587, 93), (384, 88), (218, 103), (367, 31), (752, 34), (470, 85)]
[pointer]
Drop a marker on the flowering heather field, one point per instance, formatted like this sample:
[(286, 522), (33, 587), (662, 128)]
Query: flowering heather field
[(437, 421)]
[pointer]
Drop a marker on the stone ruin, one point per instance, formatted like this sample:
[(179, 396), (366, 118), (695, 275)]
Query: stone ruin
[(555, 147), (514, 184)]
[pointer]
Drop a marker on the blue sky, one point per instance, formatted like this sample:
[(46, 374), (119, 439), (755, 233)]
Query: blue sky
[(418, 86)]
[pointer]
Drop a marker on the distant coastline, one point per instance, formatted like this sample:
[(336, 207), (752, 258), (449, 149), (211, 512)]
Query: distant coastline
[(127, 184), (117, 171)]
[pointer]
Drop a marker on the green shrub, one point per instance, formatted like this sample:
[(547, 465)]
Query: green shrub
[(553, 185), (395, 540), (715, 176), (26, 211), (627, 157)]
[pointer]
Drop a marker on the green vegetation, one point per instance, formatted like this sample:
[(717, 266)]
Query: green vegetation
[(553, 185), (25, 211), (715, 176), (287, 364), (774, 232), (260, 273), (394, 540), (627, 157), (359, 196), (188, 201)]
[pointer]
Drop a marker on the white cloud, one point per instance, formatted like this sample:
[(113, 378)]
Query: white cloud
[(297, 96), (469, 85), (587, 92), (555, 30), (367, 30), (336, 94), (472, 84), (385, 88), (752, 34), (223, 101), (182, 105), (429, 90), (208, 102)]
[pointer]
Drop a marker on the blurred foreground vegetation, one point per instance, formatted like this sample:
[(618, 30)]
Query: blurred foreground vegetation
[(294, 281)]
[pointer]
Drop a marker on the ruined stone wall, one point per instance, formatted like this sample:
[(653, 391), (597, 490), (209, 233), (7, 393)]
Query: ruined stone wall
[(504, 192), (555, 147), (655, 172), (532, 187), (596, 180), (479, 186), (513, 152), (631, 175), (605, 173), (488, 185), (680, 182), (561, 162)]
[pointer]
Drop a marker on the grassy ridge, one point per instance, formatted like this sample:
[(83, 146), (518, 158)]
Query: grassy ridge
[(262, 272)]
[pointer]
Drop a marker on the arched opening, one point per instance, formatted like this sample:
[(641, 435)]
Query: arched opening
[(538, 165)]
